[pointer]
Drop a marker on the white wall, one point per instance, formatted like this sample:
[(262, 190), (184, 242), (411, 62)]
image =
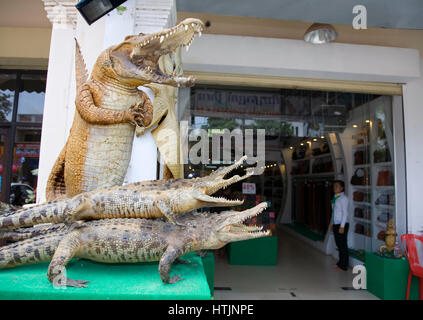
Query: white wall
[(413, 118), (295, 58)]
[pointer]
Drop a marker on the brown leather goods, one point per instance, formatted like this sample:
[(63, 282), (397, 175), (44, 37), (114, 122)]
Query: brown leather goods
[(385, 178), (361, 177), (359, 228), (358, 196), (358, 212), (381, 235), (359, 157)]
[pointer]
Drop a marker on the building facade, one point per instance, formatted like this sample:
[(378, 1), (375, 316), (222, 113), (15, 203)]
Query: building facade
[(251, 56)]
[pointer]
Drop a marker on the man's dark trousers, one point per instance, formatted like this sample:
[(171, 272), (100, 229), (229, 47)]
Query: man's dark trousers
[(341, 243)]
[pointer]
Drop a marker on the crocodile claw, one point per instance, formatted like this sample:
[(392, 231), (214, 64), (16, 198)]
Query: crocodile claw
[(137, 115), (76, 283), (175, 279)]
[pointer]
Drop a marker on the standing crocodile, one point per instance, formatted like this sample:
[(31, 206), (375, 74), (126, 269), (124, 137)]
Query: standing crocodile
[(132, 240), (147, 199), (109, 107)]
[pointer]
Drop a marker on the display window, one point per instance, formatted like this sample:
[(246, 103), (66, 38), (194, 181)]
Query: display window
[(312, 138), (21, 113)]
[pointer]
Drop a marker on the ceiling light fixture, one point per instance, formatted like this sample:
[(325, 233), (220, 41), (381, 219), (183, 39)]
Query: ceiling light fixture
[(319, 33)]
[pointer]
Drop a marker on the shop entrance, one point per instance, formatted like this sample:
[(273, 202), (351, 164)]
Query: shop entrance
[(312, 138)]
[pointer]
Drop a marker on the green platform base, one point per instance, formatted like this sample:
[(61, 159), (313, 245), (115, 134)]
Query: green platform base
[(387, 278), (257, 252), (305, 231), (209, 267), (139, 281)]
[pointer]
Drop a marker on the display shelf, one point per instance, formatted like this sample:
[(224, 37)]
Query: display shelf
[(303, 159), (360, 146), (365, 165), (325, 155), (361, 187), (362, 220), (384, 206), (362, 203), (377, 146), (365, 237), (382, 188), (383, 164), (311, 175)]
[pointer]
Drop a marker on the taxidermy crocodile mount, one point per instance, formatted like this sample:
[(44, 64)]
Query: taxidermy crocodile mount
[(147, 199), (132, 240), (109, 107)]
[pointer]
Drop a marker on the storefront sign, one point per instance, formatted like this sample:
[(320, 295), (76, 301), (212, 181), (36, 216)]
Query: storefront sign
[(237, 102), (248, 188), (27, 150)]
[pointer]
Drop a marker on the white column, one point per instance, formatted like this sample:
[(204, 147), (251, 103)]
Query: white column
[(413, 115), (60, 86), (145, 16), (149, 16)]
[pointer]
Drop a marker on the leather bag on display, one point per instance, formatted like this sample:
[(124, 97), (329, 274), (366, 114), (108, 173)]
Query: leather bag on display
[(360, 178), (385, 178)]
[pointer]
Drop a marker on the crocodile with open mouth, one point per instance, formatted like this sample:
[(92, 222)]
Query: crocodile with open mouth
[(147, 199), (109, 106), (132, 240)]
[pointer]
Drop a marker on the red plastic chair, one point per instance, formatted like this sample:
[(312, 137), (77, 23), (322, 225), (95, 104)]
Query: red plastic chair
[(416, 268)]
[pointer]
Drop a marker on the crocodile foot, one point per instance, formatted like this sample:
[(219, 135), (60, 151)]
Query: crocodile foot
[(137, 115), (175, 279), (202, 253), (76, 283)]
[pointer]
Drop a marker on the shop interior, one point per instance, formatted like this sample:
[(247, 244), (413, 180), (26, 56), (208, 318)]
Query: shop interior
[(311, 139)]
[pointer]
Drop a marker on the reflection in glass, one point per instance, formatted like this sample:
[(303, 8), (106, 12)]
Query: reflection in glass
[(311, 139), (7, 94), (31, 98), (25, 166)]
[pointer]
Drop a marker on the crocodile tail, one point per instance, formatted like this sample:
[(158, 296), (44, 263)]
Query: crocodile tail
[(35, 250), (54, 211), (20, 234), (56, 187), (6, 209)]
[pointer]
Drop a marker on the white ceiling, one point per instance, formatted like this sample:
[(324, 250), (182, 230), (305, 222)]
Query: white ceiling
[(401, 14), (23, 13)]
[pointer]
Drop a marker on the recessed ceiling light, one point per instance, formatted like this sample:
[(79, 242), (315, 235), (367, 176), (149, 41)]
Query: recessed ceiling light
[(319, 33)]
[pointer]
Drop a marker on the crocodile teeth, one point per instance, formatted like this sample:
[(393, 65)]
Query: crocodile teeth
[(199, 34), (161, 39), (186, 27), (187, 48)]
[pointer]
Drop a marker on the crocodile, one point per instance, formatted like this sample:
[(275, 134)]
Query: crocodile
[(130, 240), (146, 199), (109, 107)]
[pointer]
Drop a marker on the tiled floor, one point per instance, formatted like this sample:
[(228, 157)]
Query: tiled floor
[(302, 273)]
